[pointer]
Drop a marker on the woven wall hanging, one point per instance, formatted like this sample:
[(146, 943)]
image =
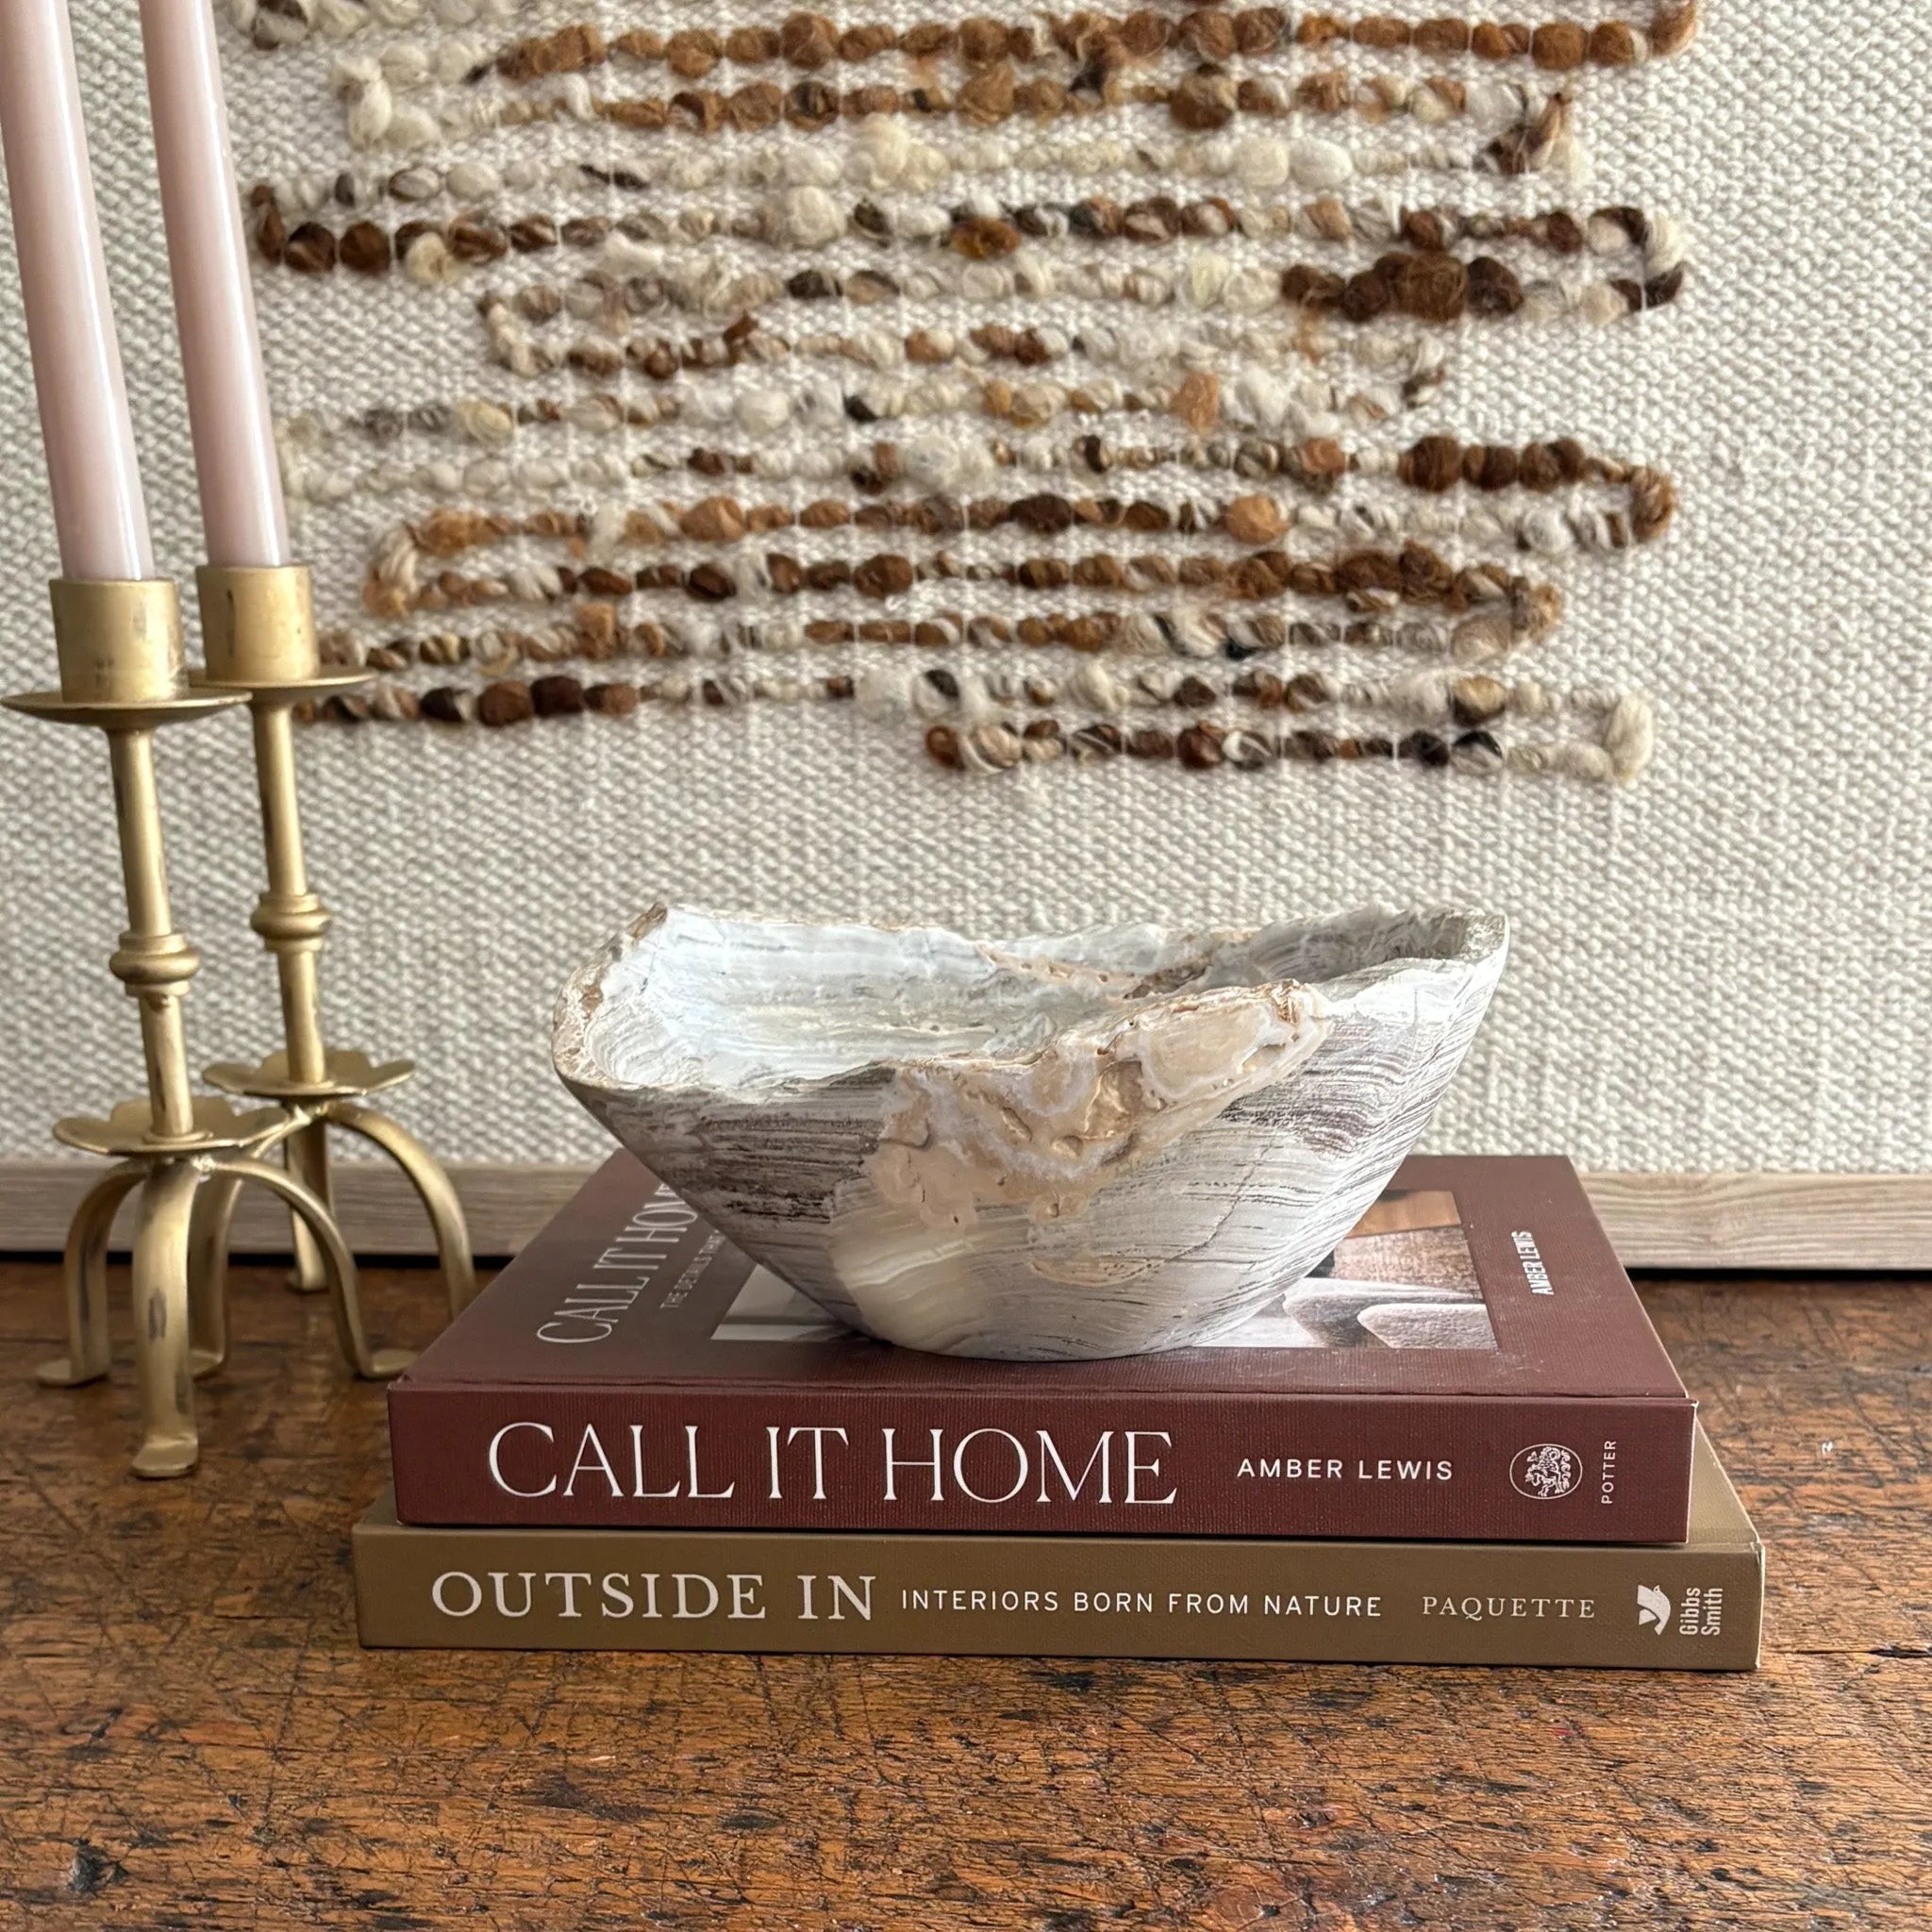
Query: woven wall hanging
[(1064, 386)]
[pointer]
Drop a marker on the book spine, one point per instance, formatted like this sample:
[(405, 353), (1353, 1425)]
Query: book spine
[(1505, 1470), (1696, 1608)]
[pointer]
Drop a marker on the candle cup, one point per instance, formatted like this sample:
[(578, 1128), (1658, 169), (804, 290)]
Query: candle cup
[(257, 624), (258, 631), (119, 643), (185, 1154)]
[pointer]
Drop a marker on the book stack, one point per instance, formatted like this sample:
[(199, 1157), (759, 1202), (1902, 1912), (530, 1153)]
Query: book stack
[(1459, 1441)]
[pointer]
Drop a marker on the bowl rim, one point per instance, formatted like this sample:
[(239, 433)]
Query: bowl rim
[(1483, 934)]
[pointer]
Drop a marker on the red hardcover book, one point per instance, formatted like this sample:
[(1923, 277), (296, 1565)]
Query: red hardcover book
[(1471, 1363)]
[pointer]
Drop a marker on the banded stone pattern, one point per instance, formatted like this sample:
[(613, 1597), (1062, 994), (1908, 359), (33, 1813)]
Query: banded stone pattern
[(1064, 386), (1021, 1148)]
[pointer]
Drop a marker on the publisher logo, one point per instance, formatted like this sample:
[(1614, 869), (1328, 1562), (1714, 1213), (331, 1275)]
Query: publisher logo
[(1653, 1608), (1545, 1471)]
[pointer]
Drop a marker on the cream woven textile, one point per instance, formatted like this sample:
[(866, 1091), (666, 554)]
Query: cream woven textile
[(1720, 965)]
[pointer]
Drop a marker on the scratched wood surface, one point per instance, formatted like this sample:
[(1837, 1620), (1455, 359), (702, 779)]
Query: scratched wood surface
[(189, 1734)]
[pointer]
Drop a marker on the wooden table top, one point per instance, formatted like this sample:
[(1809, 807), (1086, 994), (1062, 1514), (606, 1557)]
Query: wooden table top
[(189, 1734)]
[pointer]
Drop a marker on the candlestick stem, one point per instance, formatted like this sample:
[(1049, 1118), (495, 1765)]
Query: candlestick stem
[(291, 920), (153, 960), (258, 630)]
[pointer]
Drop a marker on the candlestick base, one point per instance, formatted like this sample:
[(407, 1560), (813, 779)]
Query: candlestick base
[(129, 1131), (334, 1100), (179, 1245), (346, 1076), (187, 1182)]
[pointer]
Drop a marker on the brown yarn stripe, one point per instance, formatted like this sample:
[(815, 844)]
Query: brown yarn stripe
[(1428, 283), (1433, 465), (1468, 698), (1201, 102), (663, 360), (1366, 578), (1203, 745), (1432, 284), (367, 247), (811, 40), (595, 635), (1435, 287), (1482, 291)]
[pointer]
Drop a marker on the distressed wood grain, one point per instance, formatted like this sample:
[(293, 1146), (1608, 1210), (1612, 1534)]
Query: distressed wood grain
[(190, 1734)]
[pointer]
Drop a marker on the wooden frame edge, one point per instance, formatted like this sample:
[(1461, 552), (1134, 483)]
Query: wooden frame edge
[(1730, 1220)]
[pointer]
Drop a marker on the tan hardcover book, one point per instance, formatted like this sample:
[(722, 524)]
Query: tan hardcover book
[(1693, 1606)]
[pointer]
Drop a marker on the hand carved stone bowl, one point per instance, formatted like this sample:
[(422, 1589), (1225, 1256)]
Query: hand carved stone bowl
[(1094, 1144)]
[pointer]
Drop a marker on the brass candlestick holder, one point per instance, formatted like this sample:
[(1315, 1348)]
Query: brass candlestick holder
[(122, 672), (258, 634)]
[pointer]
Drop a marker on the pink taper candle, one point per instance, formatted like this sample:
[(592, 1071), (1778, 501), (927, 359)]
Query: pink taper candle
[(100, 518), (242, 518)]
